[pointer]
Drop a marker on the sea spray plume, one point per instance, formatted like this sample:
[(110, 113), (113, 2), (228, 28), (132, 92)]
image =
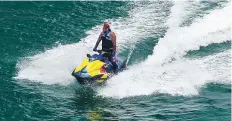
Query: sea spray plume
[(178, 41), (54, 66), (177, 77)]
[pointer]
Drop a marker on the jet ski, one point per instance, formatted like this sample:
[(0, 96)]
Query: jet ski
[(96, 68)]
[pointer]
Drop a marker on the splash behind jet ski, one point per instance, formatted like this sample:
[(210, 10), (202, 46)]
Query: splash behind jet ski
[(96, 68)]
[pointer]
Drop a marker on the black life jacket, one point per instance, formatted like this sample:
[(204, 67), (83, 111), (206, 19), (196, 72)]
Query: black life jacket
[(107, 44)]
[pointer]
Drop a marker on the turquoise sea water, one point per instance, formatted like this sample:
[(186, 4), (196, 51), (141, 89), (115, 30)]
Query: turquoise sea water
[(179, 61)]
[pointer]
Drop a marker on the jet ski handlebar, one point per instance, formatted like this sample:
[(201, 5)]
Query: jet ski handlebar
[(102, 51)]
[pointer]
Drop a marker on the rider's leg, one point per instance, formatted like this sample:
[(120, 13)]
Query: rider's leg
[(114, 62)]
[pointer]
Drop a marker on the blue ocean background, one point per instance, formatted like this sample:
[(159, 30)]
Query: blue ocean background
[(179, 60)]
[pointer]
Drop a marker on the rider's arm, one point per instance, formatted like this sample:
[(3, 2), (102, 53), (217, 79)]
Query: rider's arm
[(113, 36), (98, 40)]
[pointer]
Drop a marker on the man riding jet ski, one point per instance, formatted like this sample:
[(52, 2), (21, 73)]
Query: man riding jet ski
[(108, 38), (99, 67)]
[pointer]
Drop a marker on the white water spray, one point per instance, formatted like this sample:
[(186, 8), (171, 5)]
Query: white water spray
[(179, 40), (54, 66), (182, 77)]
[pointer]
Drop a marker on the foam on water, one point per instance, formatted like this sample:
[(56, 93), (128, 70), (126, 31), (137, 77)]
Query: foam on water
[(55, 65), (181, 77), (213, 28)]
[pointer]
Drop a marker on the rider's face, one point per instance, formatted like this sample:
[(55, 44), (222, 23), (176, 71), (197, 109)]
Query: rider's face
[(105, 29)]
